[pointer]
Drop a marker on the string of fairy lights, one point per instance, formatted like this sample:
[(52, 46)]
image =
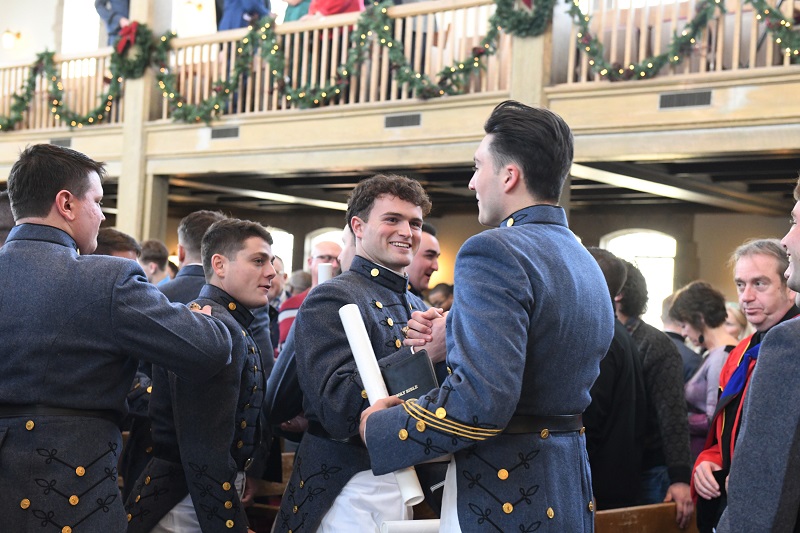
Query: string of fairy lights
[(131, 58)]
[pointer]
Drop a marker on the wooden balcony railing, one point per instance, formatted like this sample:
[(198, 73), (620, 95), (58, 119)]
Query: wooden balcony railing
[(633, 30), (84, 80), (434, 35)]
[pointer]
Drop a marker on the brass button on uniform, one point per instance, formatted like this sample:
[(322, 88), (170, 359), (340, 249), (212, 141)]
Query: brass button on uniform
[(150, 389), (379, 305), (402, 434), (502, 474), (232, 306), (550, 512), (545, 433), (510, 222), (302, 483), (194, 306), (147, 480), (508, 508), (390, 322), (229, 524), (73, 500), (420, 426), (449, 371), (149, 449), (591, 506), (80, 471), (226, 486), (295, 509), (130, 517), (29, 425), (228, 504), (374, 272), (66, 529), (244, 333), (139, 497), (397, 343), (25, 503), (364, 394), (243, 424), (239, 444), (441, 412), (252, 349)]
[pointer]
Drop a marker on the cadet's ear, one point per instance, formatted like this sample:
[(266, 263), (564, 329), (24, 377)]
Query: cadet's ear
[(220, 265), (357, 226), (64, 204), (513, 177), (181, 254)]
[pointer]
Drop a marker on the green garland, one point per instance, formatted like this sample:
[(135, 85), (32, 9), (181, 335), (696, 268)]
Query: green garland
[(374, 24), (682, 44), (680, 47)]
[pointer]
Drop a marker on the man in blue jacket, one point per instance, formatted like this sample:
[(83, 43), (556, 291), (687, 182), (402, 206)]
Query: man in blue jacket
[(72, 327), (529, 325)]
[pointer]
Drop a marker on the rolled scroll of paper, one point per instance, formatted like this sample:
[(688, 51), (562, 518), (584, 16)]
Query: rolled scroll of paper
[(410, 526), (371, 377), (324, 272)]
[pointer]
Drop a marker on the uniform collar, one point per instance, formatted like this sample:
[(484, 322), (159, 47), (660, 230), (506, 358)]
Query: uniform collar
[(40, 232), (242, 315), (191, 270), (537, 214), (380, 275)]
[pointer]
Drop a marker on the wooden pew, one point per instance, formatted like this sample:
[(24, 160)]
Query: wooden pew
[(657, 518)]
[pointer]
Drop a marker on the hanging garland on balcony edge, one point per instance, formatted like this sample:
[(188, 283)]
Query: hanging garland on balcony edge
[(780, 28), (680, 47), (45, 66), (683, 44), (131, 56)]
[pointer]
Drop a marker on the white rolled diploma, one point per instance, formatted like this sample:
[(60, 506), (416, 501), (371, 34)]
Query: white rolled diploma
[(324, 272), (410, 526), (407, 481)]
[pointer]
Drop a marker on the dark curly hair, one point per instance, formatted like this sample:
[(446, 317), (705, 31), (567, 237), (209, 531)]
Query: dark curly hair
[(633, 301), (367, 191), (699, 304)]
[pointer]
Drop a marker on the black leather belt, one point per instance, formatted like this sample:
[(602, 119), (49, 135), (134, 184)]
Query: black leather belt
[(316, 429), (537, 424), (13, 411)]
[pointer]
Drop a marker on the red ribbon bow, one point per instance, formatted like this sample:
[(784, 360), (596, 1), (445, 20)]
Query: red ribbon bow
[(127, 36)]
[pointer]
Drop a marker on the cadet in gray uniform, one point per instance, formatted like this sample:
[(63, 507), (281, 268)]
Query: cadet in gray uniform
[(72, 327), (196, 476), (331, 484), (529, 325)]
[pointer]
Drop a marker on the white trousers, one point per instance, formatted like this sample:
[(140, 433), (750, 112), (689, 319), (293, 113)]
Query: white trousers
[(183, 519), (364, 504)]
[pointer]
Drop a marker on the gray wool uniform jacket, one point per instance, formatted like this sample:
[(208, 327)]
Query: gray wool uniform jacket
[(204, 435), (72, 328), (333, 394), (530, 322), (764, 483)]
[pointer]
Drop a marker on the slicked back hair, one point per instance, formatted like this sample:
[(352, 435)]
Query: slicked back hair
[(43, 170), (367, 191), (535, 139), (193, 226), (226, 237)]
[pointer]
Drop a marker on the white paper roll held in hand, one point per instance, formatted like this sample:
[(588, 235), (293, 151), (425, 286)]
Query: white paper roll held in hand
[(372, 379), (410, 526), (324, 272)]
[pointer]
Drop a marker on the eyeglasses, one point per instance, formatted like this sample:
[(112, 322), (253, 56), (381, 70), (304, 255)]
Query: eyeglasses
[(327, 258)]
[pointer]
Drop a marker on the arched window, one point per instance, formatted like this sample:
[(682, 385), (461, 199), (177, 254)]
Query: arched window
[(653, 253), (282, 246)]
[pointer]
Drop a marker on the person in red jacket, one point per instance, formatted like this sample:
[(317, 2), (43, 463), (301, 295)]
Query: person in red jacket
[(767, 301)]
